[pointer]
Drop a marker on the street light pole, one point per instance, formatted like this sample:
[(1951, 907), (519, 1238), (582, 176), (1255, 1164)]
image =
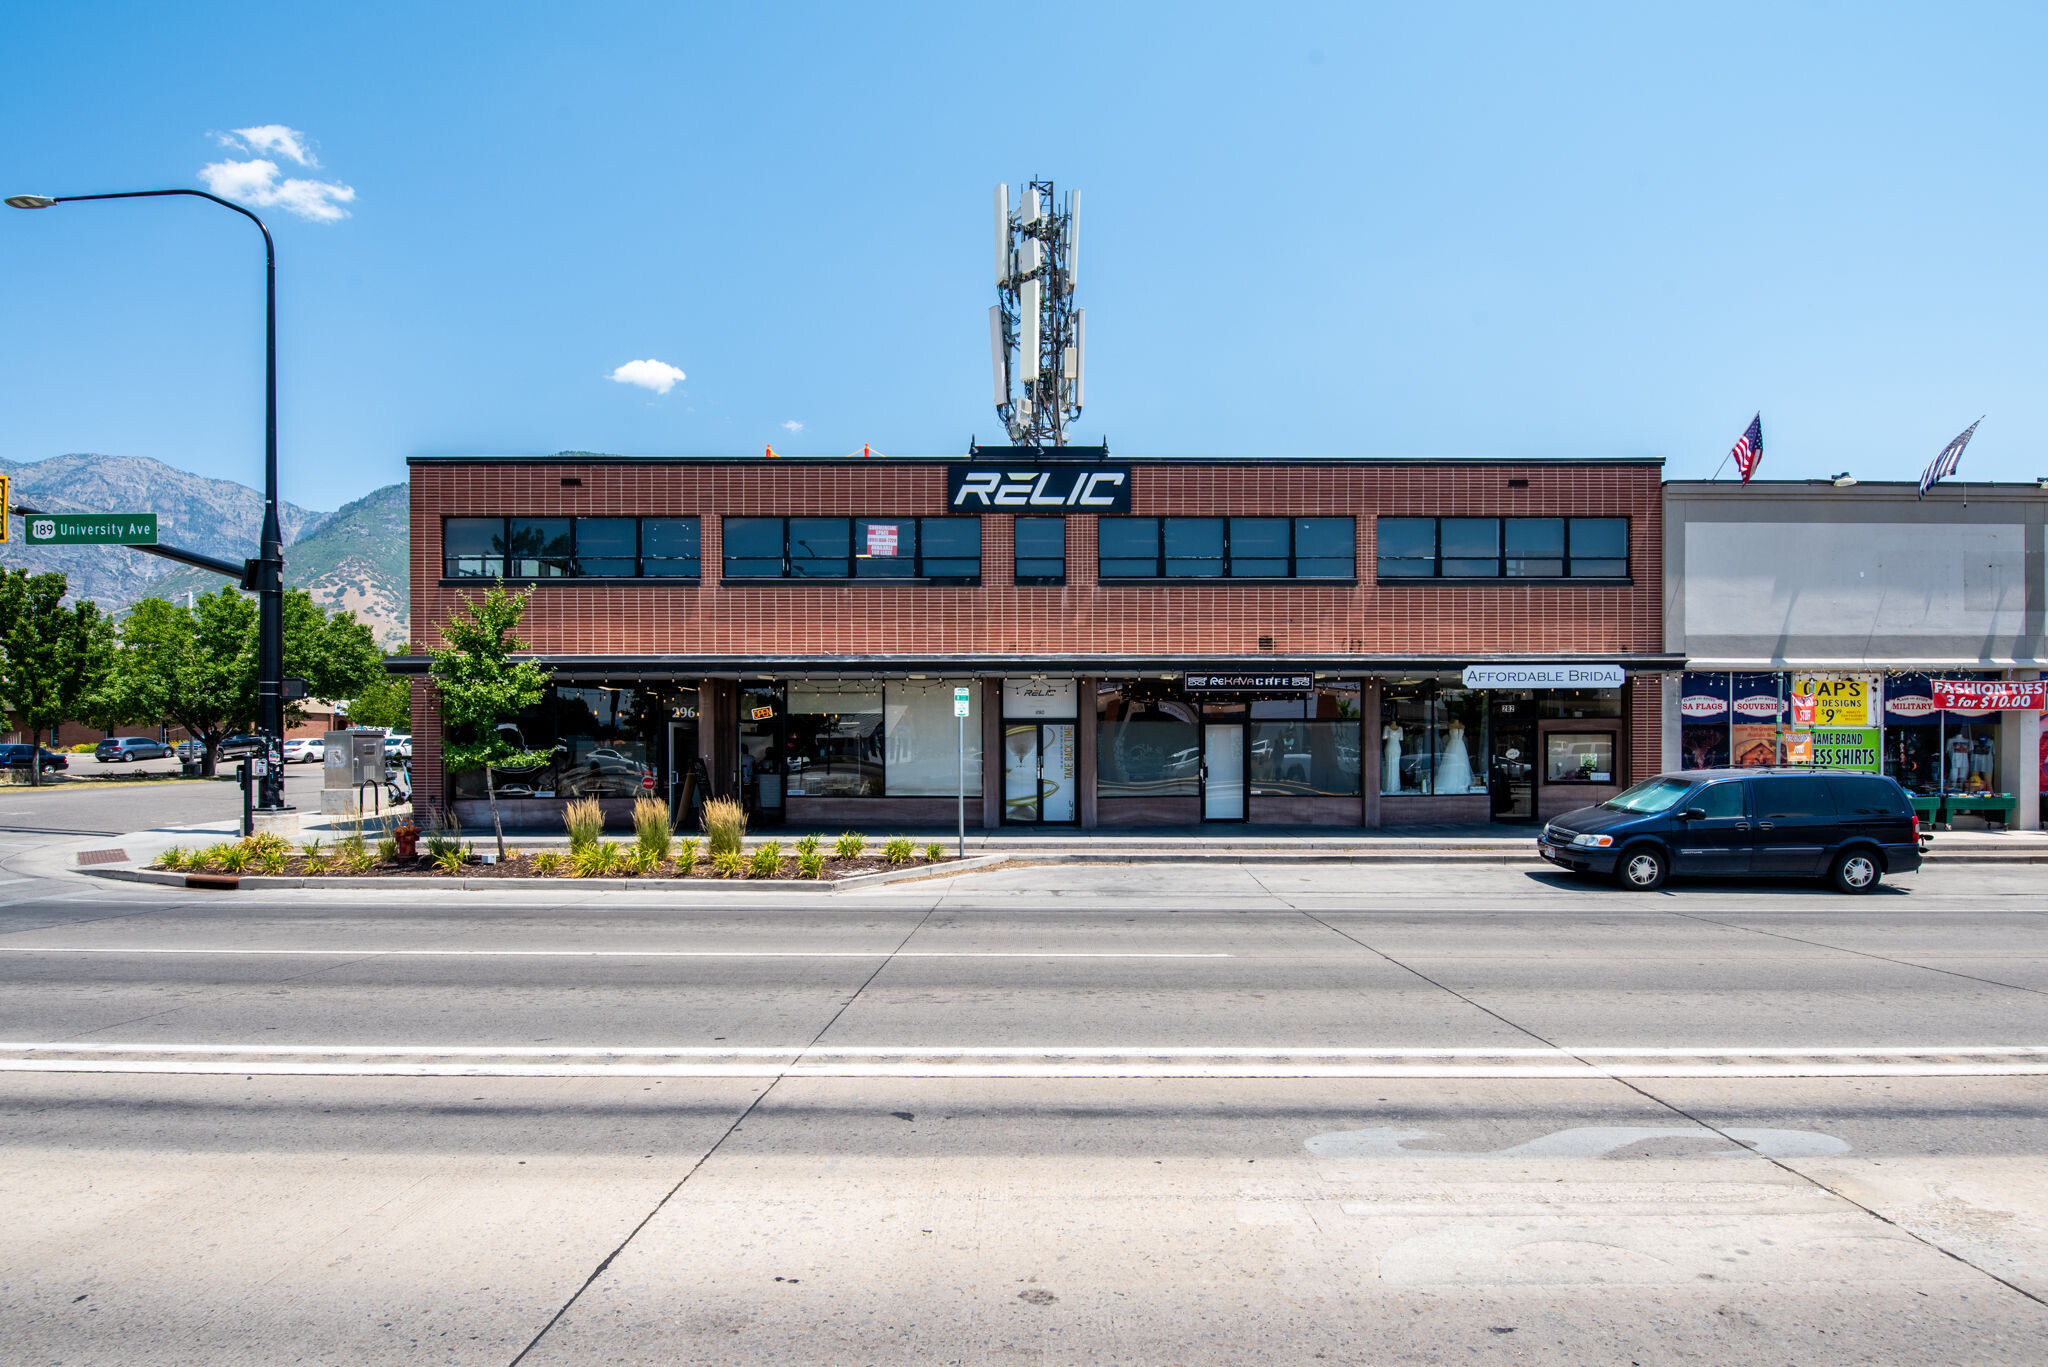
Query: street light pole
[(269, 562)]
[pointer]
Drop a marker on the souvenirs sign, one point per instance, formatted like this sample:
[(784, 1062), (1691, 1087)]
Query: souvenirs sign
[(1993, 695)]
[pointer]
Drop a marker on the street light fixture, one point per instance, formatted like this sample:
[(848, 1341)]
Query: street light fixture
[(269, 563), (1844, 480)]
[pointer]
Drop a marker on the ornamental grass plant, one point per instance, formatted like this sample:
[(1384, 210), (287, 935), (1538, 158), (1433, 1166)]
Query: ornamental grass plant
[(651, 830), (584, 820), (725, 826)]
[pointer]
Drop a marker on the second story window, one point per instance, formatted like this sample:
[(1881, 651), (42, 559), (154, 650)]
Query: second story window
[(569, 548), (1497, 548), (1041, 550), (931, 549), (1262, 548)]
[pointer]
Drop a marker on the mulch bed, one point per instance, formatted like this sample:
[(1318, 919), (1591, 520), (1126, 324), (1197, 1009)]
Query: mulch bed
[(521, 866)]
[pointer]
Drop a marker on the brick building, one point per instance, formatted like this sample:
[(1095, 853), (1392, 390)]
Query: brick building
[(1152, 642)]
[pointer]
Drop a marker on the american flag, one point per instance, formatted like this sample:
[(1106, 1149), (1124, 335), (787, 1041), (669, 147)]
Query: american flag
[(1944, 464), (1750, 448)]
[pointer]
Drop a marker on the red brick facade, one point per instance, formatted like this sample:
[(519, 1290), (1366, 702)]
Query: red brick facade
[(1084, 624)]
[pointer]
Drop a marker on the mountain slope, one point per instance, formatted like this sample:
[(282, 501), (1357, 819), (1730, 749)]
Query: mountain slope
[(355, 557)]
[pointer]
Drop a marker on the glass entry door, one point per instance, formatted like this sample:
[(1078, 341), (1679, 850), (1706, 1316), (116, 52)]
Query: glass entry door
[(1511, 776), (763, 729), (686, 775), (1039, 773), (1223, 785)]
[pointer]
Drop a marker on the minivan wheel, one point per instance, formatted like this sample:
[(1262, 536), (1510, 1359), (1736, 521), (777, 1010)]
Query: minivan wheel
[(1641, 869), (1856, 872)]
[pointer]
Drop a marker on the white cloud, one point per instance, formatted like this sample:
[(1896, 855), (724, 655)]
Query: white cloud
[(275, 137), (256, 181), (792, 426), (658, 376)]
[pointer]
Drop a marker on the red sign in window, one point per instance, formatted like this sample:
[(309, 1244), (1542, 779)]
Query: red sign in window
[(1996, 695), (882, 538)]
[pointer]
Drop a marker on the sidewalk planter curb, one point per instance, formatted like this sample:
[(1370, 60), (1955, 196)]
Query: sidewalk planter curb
[(429, 882)]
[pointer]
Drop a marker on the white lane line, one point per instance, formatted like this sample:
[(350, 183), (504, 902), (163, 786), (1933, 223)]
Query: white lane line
[(604, 953), (226, 1067), (873, 1061), (1016, 1052)]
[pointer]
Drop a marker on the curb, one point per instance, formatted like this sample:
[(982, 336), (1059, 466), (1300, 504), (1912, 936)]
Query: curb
[(265, 883)]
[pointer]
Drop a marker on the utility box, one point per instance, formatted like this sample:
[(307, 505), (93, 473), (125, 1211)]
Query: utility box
[(352, 758)]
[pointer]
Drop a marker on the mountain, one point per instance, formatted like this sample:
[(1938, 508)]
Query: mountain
[(353, 558)]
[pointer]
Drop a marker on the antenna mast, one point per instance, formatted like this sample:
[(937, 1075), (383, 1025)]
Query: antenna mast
[(1035, 332)]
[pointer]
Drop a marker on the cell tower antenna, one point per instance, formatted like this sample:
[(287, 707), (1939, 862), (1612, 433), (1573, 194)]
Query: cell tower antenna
[(1035, 332)]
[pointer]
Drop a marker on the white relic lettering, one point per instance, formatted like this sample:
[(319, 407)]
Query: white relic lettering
[(1038, 498), (1016, 489), (1088, 497), (980, 485)]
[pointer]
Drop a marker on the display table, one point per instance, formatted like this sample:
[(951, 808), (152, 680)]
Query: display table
[(1999, 807), (1927, 807)]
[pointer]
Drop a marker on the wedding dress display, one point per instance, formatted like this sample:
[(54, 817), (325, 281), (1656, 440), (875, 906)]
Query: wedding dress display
[(1390, 763), (1454, 770)]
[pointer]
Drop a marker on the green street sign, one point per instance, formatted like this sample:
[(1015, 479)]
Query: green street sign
[(91, 529)]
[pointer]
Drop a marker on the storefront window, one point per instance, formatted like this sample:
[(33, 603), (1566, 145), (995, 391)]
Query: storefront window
[(1703, 721), (922, 738), (1405, 760), (1461, 742), (1309, 745), (1149, 743), (1578, 757), (1571, 703), (600, 748), (835, 740)]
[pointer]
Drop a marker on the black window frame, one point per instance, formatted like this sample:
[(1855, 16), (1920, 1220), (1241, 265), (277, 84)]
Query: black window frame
[(572, 560), (1225, 563), (1018, 560), (848, 570), (1388, 570)]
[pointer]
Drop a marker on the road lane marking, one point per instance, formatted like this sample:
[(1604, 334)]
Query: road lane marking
[(1584, 1141), (602, 953), (979, 1061)]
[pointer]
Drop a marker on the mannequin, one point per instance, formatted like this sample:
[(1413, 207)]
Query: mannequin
[(1958, 760), (1454, 769), (1390, 762)]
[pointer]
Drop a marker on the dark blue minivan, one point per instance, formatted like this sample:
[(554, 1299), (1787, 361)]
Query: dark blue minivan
[(1849, 828)]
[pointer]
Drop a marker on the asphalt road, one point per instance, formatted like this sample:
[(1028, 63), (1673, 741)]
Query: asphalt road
[(115, 808), (1123, 1114)]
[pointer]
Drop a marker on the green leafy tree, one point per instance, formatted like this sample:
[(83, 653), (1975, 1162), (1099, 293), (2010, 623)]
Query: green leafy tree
[(385, 702), (197, 666), (53, 656), (481, 686)]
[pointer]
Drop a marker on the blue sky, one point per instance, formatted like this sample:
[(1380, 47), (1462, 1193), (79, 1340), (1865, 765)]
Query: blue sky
[(1500, 230)]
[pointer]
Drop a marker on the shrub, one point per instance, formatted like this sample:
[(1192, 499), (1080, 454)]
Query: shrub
[(584, 820), (263, 842), (934, 852), (212, 857), (651, 828), (274, 862), (897, 851), (351, 855), (599, 859), (686, 858), (173, 858), (451, 860), (548, 863), (725, 825), (387, 851), (767, 860), (728, 864), (810, 865), (443, 840), (639, 859), (807, 846), (850, 845), (235, 858)]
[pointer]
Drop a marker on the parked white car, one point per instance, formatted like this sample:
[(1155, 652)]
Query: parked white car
[(398, 743), (305, 750)]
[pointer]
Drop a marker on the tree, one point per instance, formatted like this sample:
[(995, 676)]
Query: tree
[(481, 686), (385, 701), (197, 666), (53, 657)]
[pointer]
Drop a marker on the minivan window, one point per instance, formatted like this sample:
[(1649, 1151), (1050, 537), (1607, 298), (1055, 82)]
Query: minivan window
[(1789, 799), (1866, 796), (1719, 799), (1651, 795)]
